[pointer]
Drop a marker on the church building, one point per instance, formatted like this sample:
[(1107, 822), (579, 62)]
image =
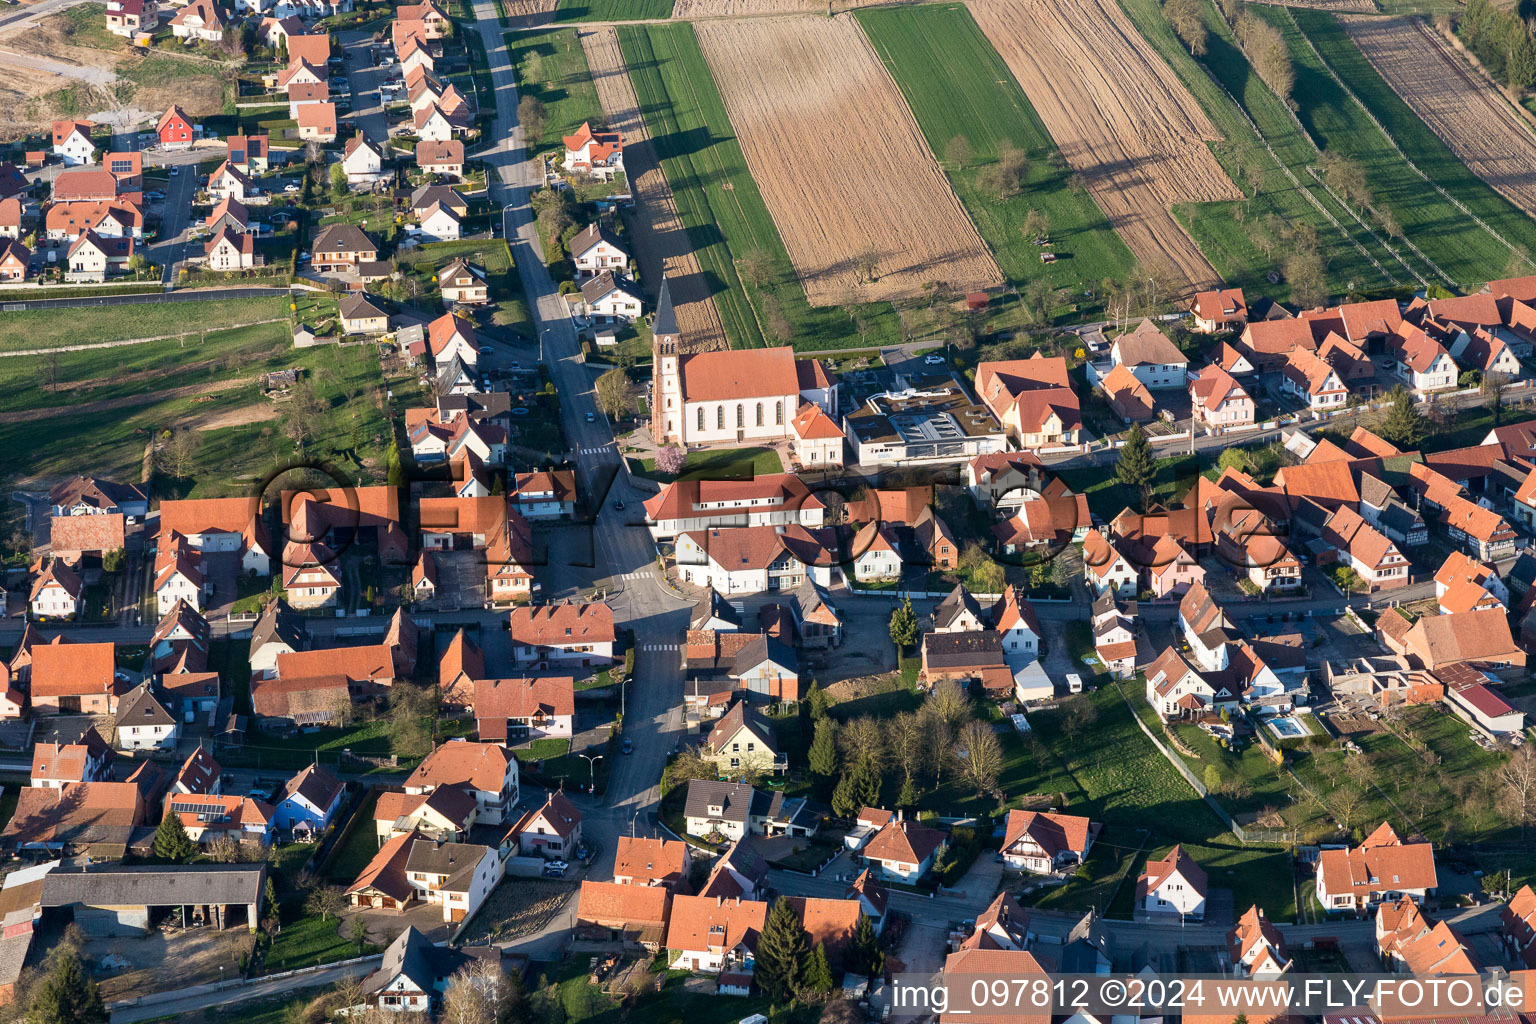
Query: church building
[(735, 397)]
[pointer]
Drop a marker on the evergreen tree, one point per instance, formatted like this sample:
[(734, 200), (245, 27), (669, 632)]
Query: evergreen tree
[(818, 973), (171, 840), (823, 752), (818, 700), (845, 799), (395, 469), (66, 995), (783, 953), (908, 795), (1404, 424), (904, 625), (867, 784), (1134, 467), (863, 957), (274, 909)]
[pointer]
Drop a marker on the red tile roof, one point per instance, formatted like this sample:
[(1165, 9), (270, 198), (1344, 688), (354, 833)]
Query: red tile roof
[(562, 624)]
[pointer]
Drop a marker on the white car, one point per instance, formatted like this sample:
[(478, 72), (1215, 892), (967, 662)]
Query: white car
[(290, 187), (933, 360)]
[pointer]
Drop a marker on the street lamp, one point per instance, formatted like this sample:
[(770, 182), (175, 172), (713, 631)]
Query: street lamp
[(591, 760)]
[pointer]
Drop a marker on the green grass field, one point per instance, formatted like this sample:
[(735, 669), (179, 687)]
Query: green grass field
[(73, 325), (551, 67), (720, 464), (1225, 231), (957, 86), (352, 432), (1295, 151), (1106, 769), (720, 205), (612, 10), (1466, 252)]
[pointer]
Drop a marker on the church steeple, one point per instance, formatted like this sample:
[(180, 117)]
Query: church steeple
[(664, 326), (667, 387)]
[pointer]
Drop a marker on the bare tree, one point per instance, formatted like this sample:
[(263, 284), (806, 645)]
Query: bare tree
[(1188, 20), (863, 739), (904, 736), (1267, 51), (1348, 801), (306, 411), (1004, 177), (615, 393), (983, 761), (866, 263), (178, 450), (224, 850), (1518, 777), (325, 900), (948, 702), (1345, 177), (474, 995), (958, 151), (756, 268)]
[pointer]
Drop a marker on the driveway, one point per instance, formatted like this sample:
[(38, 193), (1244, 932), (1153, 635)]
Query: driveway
[(363, 80)]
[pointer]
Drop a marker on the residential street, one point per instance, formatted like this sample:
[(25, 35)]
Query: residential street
[(657, 617)]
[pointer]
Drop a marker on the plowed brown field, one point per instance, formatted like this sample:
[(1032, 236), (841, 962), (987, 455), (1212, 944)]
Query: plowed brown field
[(1119, 115), (528, 12), (839, 159), (1468, 113), (662, 241), (728, 8)]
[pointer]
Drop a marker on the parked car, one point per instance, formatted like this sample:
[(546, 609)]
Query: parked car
[(290, 187), (175, 171), (934, 360), (155, 197), (628, 746), (591, 418), (555, 869), (486, 350)]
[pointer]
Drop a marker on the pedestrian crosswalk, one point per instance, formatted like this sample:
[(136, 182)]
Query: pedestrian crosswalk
[(599, 450), (658, 647), (641, 574)]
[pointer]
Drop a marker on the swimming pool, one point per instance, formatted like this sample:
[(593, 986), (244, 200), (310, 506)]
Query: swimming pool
[(1287, 728)]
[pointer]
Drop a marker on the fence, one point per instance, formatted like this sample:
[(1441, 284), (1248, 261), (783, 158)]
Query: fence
[(1245, 835), (152, 998)]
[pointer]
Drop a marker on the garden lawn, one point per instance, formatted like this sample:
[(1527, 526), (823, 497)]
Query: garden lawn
[(351, 855), (1224, 230), (73, 325), (716, 464), (721, 207), (86, 25), (551, 67), (1464, 251), (958, 87), (1108, 497), (308, 940), (493, 255)]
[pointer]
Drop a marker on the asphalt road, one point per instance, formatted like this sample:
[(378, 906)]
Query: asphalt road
[(363, 80), (658, 618)]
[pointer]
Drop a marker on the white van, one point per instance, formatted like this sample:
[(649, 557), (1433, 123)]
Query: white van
[(1074, 683)]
